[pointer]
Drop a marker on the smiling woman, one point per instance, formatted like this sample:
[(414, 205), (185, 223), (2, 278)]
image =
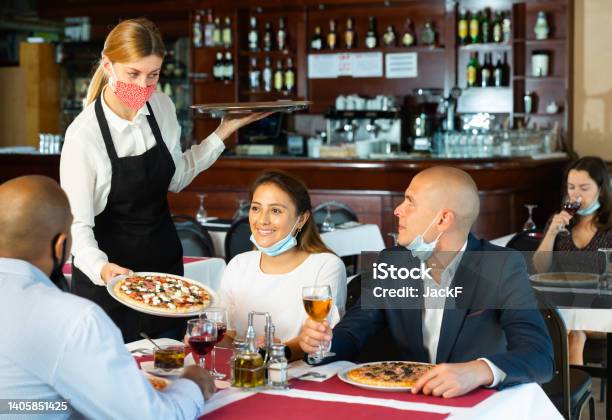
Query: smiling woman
[(290, 255), (121, 156)]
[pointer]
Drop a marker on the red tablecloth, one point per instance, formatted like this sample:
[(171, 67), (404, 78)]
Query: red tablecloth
[(67, 269), (335, 386), (266, 407)]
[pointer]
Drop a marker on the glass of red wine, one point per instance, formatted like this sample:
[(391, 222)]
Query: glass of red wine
[(218, 315), (571, 207), (201, 336)]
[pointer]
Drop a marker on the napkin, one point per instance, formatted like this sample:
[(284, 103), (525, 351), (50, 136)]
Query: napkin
[(300, 368)]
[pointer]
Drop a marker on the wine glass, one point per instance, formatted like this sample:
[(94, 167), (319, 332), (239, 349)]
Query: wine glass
[(318, 303), (605, 280), (201, 214), (243, 209), (328, 224), (201, 336), (571, 207), (218, 315), (530, 224)]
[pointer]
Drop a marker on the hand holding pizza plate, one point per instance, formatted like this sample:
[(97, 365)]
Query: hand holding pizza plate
[(162, 294), (392, 376)]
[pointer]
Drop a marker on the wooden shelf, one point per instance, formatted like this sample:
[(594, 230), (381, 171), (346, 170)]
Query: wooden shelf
[(492, 46), (269, 96), (211, 81), (545, 42), (417, 48), (272, 54), (540, 79), (539, 114)]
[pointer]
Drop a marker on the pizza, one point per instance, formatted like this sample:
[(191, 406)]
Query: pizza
[(389, 374), (162, 293)]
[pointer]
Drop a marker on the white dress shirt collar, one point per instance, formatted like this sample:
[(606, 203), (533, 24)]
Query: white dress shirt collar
[(25, 269), (115, 120)]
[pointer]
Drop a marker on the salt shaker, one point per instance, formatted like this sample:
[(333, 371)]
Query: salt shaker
[(277, 367)]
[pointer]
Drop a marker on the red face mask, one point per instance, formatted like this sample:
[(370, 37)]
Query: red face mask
[(130, 94)]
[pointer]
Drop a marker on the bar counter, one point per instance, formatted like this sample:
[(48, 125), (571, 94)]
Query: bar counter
[(373, 188)]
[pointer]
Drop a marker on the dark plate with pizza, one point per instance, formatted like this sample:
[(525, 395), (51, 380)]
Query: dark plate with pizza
[(395, 376), (162, 294)]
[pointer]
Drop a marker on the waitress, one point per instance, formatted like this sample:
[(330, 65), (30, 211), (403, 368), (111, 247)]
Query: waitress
[(121, 156)]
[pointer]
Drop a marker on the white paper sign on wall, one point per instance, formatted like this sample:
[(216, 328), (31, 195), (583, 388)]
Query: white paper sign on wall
[(401, 65)]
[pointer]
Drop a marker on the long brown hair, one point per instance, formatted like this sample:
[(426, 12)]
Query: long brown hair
[(598, 172), (308, 237), (129, 41)]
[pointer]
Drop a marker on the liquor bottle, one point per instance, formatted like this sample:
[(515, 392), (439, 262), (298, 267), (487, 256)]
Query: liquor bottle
[(332, 38), (281, 35), (497, 27), (316, 43), (229, 66), (506, 72), (389, 38), (371, 39), (475, 27), (254, 76), (408, 38), (349, 34), (219, 67), (267, 38), (227, 33), (507, 27), (541, 28), (216, 34), (253, 35), (485, 72), (209, 27), (498, 73), (278, 76), (197, 30), (289, 76), (462, 27), (267, 75), (472, 70), (485, 27), (428, 35)]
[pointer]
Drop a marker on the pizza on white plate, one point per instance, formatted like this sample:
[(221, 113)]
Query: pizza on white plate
[(389, 374), (162, 293)]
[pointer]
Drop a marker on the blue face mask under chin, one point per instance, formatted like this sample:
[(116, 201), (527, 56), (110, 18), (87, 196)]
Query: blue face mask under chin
[(279, 247), (593, 207), (421, 249)]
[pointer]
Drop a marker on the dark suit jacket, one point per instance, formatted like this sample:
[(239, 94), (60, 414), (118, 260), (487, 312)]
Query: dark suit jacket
[(487, 319)]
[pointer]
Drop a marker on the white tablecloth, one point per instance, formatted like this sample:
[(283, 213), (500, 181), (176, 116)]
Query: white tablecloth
[(354, 240)]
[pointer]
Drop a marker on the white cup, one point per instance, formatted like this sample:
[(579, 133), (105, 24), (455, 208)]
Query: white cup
[(539, 64)]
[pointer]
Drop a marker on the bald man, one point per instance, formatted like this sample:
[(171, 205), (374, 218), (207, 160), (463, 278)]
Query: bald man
[(57, 346), (478, 336)]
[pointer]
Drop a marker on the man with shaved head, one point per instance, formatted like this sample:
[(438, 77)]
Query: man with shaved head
[(57, 346), (489, 333)]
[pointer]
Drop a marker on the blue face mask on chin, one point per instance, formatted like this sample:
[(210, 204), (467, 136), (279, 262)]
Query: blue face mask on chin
[(279, 247), (593, 207), (421, 249)]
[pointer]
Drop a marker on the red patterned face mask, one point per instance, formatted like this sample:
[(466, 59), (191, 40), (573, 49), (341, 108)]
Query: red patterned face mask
[(130, 94)]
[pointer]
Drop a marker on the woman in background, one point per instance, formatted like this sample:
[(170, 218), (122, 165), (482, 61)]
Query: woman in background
[(586, 180)]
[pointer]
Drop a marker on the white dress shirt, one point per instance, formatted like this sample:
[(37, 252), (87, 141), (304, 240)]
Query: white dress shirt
[(433, 315), (56, 345), (85, 167)]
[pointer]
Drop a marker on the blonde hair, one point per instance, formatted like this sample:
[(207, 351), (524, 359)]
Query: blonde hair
[(129, 41)]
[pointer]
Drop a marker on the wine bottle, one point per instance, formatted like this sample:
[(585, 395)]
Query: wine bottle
[(475, 27), (218, 67), (331, 36), (408, 38), (267, 38), (229, 66), (227, 32), (498, 73), (389, 38), (497, 28), (254, 76), (507, 27), (197, 30), (216, 33), (253, 35), (209, 28), (428, 36), (371, 39), (289, 76), (462, 27), (485, 72), (281, 35), (472, 70), (506, 72), (278, 76), (316, 43), (267, 75), (349, 34), (485, 27)]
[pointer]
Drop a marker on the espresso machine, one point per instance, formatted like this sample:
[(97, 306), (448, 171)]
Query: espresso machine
[(425, 117), (375, 122)]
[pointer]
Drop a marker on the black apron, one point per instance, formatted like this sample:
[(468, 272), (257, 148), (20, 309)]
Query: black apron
[(135, 230)]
